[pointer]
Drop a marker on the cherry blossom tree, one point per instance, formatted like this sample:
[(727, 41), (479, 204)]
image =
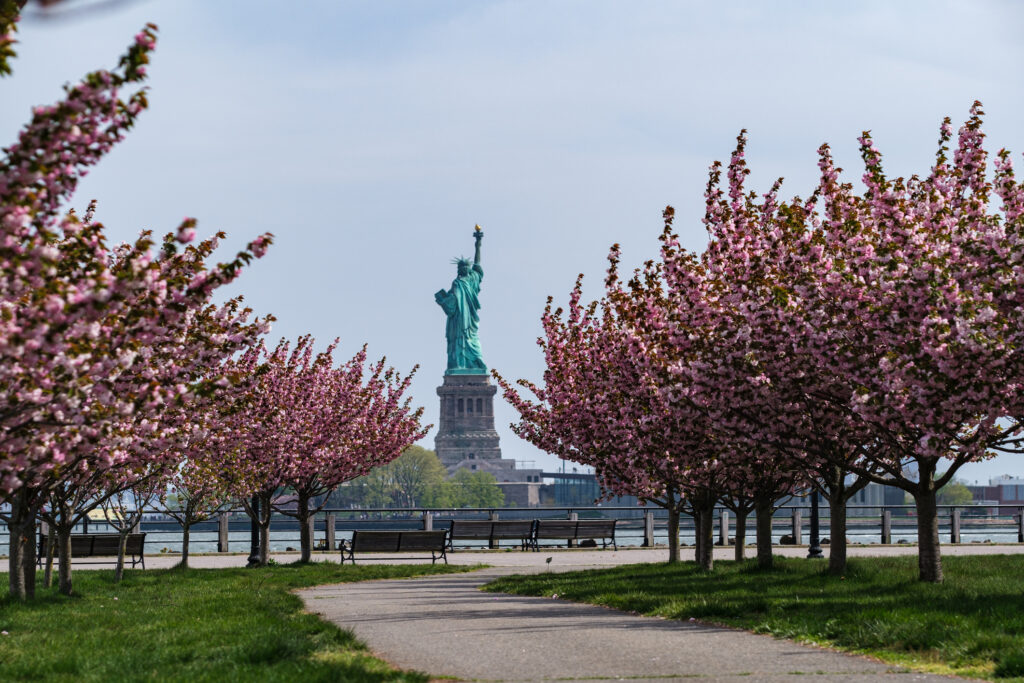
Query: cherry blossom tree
[(145, 444), (309, 426), (124, 507), (95, 343), (830, 341), (920, 282), (757, 390), (46, 316), (882, 328), (679, 313), (197, 490), (601, 405), (344, 425)]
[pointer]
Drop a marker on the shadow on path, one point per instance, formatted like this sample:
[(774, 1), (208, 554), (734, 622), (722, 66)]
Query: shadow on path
[(446, 626)]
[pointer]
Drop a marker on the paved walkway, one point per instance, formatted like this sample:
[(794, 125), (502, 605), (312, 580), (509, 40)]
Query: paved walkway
[(445, 626)]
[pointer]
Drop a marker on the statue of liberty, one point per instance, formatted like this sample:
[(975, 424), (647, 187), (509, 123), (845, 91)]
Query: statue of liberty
[(461, 304)]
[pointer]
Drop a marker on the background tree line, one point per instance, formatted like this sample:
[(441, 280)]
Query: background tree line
[(418, 479)]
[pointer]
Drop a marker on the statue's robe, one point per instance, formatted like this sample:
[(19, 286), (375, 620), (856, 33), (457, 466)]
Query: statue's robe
[(461, 304)]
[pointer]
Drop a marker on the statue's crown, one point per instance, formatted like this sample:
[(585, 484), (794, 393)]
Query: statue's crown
[(462, 261)]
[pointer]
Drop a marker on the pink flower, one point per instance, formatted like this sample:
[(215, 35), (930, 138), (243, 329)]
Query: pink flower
[(259, 247), (186, 233)]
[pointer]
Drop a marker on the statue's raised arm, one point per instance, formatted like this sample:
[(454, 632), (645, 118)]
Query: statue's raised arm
[(478, 235), (460, 305)]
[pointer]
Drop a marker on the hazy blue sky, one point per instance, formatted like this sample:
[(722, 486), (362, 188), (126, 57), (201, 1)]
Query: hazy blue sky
[(369, 137)]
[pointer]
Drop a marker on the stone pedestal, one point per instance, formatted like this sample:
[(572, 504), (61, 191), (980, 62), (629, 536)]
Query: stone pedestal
[(466, 434), (466, 438)]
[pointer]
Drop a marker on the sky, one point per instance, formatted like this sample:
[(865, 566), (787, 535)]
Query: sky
[(370, 137)]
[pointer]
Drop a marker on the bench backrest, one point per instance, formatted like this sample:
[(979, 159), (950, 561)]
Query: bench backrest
[(556, 528), (81, 546), (375, 541), (596, 527), (422, 540), (515, 528), (136, 542), (89, 545), (104, 545), (471, 528), (584, 528), (397, 541)]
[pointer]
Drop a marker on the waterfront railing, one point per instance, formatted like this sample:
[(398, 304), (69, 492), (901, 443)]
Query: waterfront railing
[(866, 524)]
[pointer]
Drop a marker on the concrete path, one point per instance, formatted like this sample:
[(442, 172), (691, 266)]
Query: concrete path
[(445, 626)]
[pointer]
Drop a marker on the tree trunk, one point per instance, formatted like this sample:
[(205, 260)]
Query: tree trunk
[(929, 557), (16, 564), (763, 510), (837, 532), (673, 534), (185, 529), (64, 560), (266, 512), (29, 559), (122, 545), (260, 513), (696, 535), (17, 528), (305, 537), (741, 534), (264, 544), (706, 531), (51, 550)]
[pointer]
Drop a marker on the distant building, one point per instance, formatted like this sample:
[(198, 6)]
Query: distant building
[(568, 489), (578, 489), (875, 494), (1002, 490)]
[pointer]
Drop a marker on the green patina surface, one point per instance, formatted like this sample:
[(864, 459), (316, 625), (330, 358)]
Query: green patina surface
[(461, 305)]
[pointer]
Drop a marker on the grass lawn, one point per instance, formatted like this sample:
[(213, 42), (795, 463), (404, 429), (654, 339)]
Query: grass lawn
[(971, 625), (191, 625)]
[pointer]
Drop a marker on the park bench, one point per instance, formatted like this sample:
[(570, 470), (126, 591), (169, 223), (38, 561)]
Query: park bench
[(100, 545), (492, 531), (434, 542), (575, 530)]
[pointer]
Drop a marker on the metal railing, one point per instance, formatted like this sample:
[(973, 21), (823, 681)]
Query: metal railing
[(867, 524)]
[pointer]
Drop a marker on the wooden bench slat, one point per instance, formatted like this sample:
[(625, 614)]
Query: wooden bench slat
[(135, 544), (81, 546), (555, 528), (376, 541), (471, 528), (595, 528), (105, 545), (421, 540), (517, 528)]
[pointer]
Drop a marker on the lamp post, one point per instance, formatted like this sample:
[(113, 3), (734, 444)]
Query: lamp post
[(814, 550), (254, 534)]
